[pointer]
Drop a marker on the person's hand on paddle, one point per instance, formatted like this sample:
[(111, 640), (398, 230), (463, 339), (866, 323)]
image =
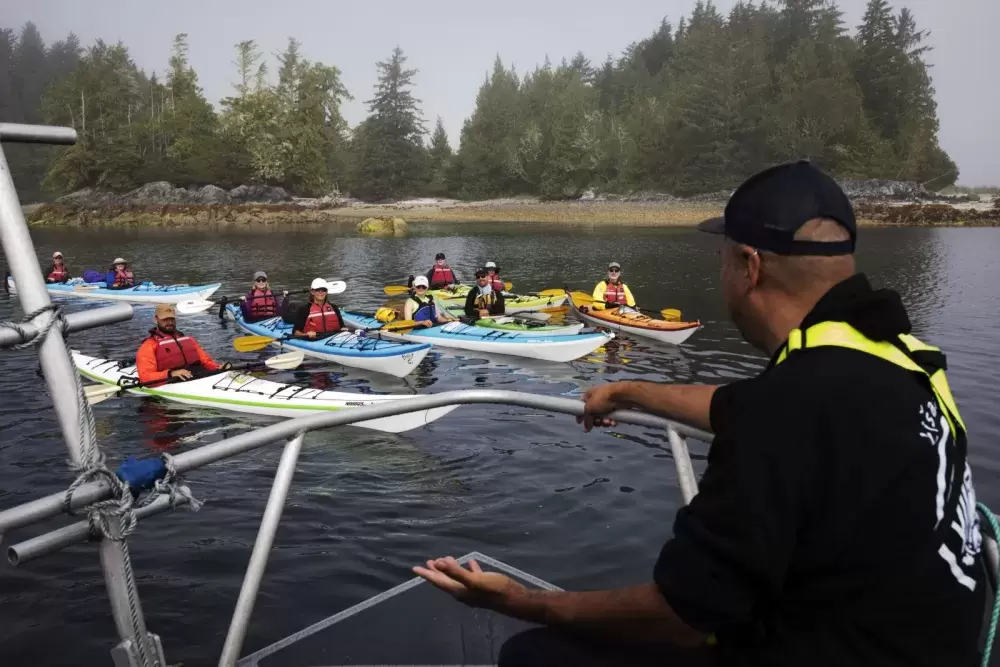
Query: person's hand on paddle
[(311, 335), (599, 401), (227, 366), (425, 323), (483, 312), (490, 590), (181, 374)]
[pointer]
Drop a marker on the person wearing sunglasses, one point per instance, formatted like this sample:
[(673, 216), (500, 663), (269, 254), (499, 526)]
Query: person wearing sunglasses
[(420, 307), (319, 318), (441, 275), (260, 303), (58, 272), (613, 292), (483, 300)]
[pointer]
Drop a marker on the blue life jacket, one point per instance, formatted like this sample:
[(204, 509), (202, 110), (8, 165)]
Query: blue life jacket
[(426, 310)]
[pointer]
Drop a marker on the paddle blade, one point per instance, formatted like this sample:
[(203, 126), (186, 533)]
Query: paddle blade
[(285, 362), (671, 314), (395, 290), (554, 310), (532, 316), (252, 343), (193, 307), (399, 325), (335, 286), (581, 296), (508, 286), (97, 393), (552, 292)]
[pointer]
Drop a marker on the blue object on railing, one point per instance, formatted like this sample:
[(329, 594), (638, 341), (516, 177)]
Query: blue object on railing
[(141, 474)]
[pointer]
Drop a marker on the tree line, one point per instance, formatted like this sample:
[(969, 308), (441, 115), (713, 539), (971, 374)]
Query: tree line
[(695, 107)]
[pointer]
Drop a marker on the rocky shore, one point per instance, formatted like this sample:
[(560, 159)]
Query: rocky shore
[(895, 203)]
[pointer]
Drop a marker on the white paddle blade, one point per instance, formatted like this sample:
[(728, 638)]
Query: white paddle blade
[(533, 316), (336, 286), (192, 307), (285, 362), (100, 392)]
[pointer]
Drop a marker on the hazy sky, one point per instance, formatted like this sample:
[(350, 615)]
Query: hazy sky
[(453, 44)]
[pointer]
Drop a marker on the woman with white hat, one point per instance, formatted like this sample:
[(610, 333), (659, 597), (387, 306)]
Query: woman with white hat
[(58, 272), (319, 318), (421, 308), (120, 275), (496, 282)]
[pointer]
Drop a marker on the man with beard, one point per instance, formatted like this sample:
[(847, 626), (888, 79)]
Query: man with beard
[(169, 354), (835, 522)]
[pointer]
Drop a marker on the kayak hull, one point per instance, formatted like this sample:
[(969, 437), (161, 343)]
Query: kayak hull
[(471, 338), (675, 333), (346, 348), (513, 303), (138, 294), (235, 391)]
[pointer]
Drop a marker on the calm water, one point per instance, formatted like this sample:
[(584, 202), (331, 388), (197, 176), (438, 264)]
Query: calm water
[(529, 488)]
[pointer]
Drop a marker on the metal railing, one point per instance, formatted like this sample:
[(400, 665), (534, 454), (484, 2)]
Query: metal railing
[(138, 646)]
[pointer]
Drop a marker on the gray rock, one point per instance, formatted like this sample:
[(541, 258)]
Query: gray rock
[(158, 192), (210, 194), (268, 194), (88, 197)]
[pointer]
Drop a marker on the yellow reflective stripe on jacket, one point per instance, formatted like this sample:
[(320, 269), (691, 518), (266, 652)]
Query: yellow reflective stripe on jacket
[(841, 334)]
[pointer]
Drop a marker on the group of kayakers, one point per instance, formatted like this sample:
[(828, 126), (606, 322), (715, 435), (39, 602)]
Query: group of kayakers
[(118, 276)]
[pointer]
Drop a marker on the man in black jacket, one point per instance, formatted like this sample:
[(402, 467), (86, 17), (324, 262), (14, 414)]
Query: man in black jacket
[(836, 521), (483, 300)]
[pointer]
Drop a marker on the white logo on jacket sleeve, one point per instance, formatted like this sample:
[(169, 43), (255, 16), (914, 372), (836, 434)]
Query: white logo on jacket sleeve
[(965, 524)]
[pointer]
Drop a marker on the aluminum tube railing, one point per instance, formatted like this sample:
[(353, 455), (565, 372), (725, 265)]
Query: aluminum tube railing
[(261, 549), (49, 506), (37, 134), (85, 319), (60, 376), (56, 540)]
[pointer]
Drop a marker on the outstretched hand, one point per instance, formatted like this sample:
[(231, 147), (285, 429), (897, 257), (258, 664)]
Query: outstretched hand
[(598, 402), (490, 590)]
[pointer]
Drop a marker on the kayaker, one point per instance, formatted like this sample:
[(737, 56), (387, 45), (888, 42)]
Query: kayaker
[(318, 318), (421, 308), (119, 275), (835, 523), (612, 291), (169, 354), (496, 282), (260, 303), (58, 272), (483, 300), (441, 275)]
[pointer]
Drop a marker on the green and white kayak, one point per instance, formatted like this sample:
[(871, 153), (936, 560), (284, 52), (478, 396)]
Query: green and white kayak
[(236, 391), (515, 323)]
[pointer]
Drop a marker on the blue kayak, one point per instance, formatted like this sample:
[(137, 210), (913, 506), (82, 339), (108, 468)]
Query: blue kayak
[(346, 348), (481, 339), (144, 293)]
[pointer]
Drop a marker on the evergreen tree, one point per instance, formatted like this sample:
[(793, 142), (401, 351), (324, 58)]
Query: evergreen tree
[(391, 159), (439, 157)]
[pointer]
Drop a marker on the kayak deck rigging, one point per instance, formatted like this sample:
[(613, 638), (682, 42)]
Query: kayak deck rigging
[(426, 626)]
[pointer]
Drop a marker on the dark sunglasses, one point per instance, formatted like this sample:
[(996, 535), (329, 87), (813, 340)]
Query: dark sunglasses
[(420, 287), (260, 280), (614, 270)]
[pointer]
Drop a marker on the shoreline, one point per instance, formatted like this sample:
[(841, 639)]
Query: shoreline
[(673, 213)]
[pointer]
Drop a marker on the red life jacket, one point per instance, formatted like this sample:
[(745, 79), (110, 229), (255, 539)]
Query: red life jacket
[(262, 304), (496, 283), (174, 351), (442, 275), (58, 273), (322, 319), (123, 278), (615, 293)]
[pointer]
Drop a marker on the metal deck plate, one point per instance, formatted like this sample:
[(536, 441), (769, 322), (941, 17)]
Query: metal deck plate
[(412, 624)]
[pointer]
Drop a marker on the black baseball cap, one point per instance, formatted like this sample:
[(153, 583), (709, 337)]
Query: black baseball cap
[(440, 255), (770, 206), (481, 273)]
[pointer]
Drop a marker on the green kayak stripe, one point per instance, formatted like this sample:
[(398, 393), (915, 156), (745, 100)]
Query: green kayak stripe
[(212, 399)]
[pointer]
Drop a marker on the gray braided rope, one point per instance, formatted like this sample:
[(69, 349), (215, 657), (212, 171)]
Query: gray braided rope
[(43, 328)]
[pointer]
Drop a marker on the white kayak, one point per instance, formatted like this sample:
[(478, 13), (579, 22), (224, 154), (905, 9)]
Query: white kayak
[(241, 392), (461, 336), (143, 293), (346, 348)]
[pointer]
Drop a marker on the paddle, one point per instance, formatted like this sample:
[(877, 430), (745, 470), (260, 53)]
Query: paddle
[(335, 287), (192, 306), (396, 290), (668, 314), (102, 392)]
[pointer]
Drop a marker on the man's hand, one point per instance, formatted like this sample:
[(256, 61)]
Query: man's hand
[(490, 590), (483, 312), (598, 402), (243, 298), (227, 366), (181, 374), (310, 335)]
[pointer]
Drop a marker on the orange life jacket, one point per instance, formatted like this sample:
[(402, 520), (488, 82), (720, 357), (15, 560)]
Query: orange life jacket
[(174, 351), (615, 293), (58, 273), (322, 319), (123, 278)]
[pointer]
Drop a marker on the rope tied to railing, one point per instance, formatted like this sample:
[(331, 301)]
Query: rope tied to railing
[(43, 328)]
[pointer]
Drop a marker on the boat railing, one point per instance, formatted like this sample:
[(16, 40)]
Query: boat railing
[(97, 491)]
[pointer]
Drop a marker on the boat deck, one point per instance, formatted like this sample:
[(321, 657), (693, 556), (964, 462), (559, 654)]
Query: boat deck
[(411, 624)]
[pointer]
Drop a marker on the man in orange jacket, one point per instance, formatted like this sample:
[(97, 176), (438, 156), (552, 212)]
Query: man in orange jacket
[(168, 354)]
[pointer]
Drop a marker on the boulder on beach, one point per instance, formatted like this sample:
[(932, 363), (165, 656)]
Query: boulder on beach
[(265, 194), (383, 226), (210, 194)]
